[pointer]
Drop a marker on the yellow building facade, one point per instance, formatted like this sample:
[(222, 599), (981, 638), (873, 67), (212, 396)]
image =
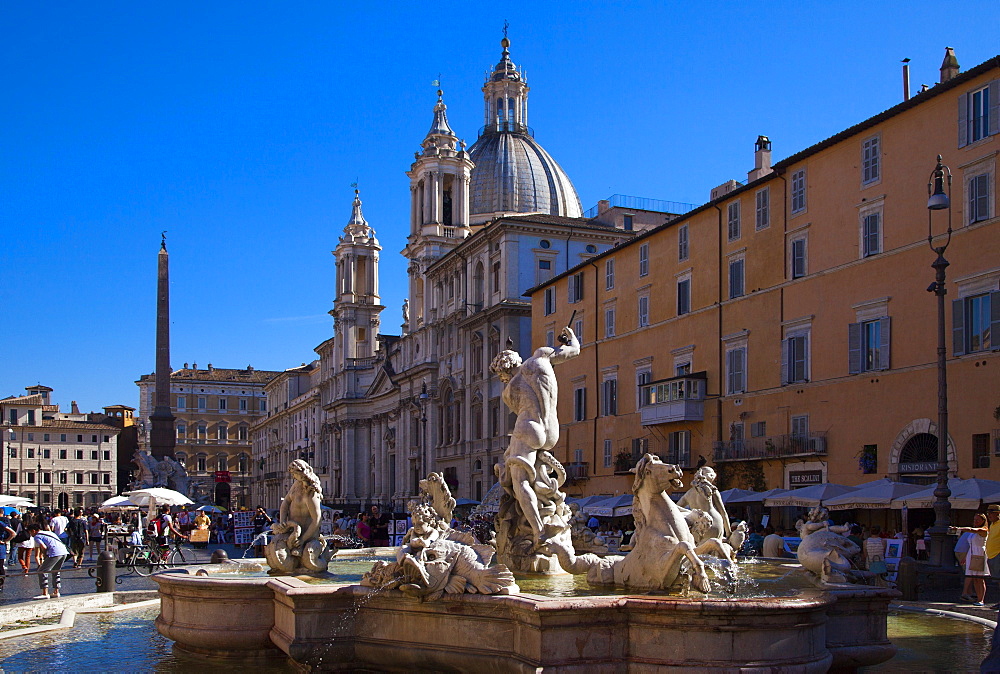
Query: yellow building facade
[(783, 331)]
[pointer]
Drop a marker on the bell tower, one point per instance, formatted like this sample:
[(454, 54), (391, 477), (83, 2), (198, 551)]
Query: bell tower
[(357, 305), (439, 204)]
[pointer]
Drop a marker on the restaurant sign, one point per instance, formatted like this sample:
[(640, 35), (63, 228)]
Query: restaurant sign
[(804, 478), (918, 467)]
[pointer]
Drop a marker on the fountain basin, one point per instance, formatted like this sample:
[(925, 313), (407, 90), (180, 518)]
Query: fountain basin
[(341, 627)]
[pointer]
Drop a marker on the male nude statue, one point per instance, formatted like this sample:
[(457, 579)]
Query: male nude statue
[(531, 393)]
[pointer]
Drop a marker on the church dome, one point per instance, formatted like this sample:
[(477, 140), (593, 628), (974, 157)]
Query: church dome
[(513, 173)]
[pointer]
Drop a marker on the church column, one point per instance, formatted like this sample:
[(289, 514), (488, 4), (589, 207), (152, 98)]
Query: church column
[(350, 448), (436, 194), (375, 463), (414, 225), (427, 198)]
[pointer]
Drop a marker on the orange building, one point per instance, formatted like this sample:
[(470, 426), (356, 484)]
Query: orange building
[(783, 331)]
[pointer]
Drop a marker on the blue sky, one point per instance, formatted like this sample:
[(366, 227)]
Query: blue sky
[(239, 128)]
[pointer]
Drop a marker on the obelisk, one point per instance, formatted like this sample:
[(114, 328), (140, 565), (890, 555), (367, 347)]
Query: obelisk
[(162, 440)]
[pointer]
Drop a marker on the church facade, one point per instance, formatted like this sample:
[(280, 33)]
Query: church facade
[(487, 223)]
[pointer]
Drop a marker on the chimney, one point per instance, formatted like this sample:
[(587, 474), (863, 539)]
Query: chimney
[(603, 205), (74, 408), (761, 159), (949, 66), (209, 367), (906, 79)]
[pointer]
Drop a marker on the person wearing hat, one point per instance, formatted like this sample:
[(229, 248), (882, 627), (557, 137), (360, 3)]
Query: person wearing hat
[(993, 540)]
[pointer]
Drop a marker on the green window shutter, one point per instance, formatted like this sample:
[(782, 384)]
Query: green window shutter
[(958, 326), (884, 342), (854, 348), (994, 89)]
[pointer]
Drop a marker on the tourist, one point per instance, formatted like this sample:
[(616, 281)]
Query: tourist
[(975, 561), (15, 524), (58, 526), (773, 545), (593, 523), (55, 554), (6, 536), (755, 541), (95, 533), (364, 531), (78, 537), (184, 520), (874, 549), (379, 524), (26, 549)]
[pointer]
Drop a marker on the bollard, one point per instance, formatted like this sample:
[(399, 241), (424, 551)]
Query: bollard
[(106, 572), (906, 578), (219, 556)]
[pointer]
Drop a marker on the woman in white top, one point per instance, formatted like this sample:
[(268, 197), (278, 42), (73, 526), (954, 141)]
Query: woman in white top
[(975, 562)]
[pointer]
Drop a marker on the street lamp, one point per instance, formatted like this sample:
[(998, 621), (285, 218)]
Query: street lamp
[(942, 545)]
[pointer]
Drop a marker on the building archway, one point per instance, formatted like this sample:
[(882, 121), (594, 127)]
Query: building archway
[(913, 457), (223, 494)]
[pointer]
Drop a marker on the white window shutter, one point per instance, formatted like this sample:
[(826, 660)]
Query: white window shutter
[(963, 120), (994, 89), (884, 344), (958, 326), (784, 361), (854, 348)]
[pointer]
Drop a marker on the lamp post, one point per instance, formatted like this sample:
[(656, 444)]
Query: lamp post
[(942, 545)]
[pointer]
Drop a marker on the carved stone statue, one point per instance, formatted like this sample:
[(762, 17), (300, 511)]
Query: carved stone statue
[(297, 547), (435, 560), (584, 540), (664, 555), (147, 474), (437, 494), (704, 495), (406, 310), (825, 550), (533, 509)]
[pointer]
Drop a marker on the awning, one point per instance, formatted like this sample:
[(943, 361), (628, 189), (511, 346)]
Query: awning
[(757, 497), (967, 494), (614, 506), (808, 497), (730, 494), (874, 496)]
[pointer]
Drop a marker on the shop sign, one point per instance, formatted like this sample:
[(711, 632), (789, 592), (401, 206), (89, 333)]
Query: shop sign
[(918, 467), (804, 478), (222, 476)]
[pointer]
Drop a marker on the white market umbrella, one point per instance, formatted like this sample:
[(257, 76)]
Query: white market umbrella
[(965, 494), (211, 509), (875, 496), (808, 497), (117, 503), (757, 497), (15, 501), (158, 496), (729, 495), (608, 506)]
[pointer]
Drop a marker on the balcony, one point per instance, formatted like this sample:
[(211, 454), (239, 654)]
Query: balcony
[(772, 447), (276, 475), (577, 472), (680, 398)]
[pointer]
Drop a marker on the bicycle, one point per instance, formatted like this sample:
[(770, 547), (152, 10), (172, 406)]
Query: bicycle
[(146, 560)]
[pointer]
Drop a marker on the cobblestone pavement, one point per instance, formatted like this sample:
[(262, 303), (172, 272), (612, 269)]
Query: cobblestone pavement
[(20, 588)]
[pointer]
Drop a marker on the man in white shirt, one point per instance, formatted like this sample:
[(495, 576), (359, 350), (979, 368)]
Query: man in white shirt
[(774, 545), (58, 526)]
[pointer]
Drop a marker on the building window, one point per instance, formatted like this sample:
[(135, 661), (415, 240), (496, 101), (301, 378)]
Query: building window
[(202, 432), (223, 432), (79, 438), (496, 277), (758, 429), (550, 301), (45, 437), (973, 322), (871, 234), (609, 397), (221, 463), (550, 338), (683, 296), (763, 199), (578, 329), (799, 250), (800, 428), (106, 478), (579, 404), (77, 478), (609, 274), (224, 404), (13, 477), (31, 417), (798, 191), (12, 451), (29, 478), (607, 453), (94, 478), (62, 437), (682, 243), (870, 161), (93, 455), (544, 271), (976, 109), (980, 450), (107, 455), (868, 345), (243, 404), (734, 220), (181, 431), (202, 402), (609, 322), (736, 281), (201, 463), (643, 311), (979, 198), (679, 448), (79, 454), (736, 371), (242, 432), (576, 288), (644, 259), (263, 404), (62, 454), (181, 402), (795, 360)]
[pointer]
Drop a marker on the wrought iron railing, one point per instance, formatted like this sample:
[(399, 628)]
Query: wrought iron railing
[(642, 204), (578, 471), (774, 446), (507, 127)]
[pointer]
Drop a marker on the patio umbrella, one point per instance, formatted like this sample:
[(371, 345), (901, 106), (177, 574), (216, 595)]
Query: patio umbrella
[(117, 503), (735, 493), (607, 506), (15, 501), (211, 509), (158, 496), (757, 497), (466, 502), (965, 494), (874, 496), (808, 497)]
